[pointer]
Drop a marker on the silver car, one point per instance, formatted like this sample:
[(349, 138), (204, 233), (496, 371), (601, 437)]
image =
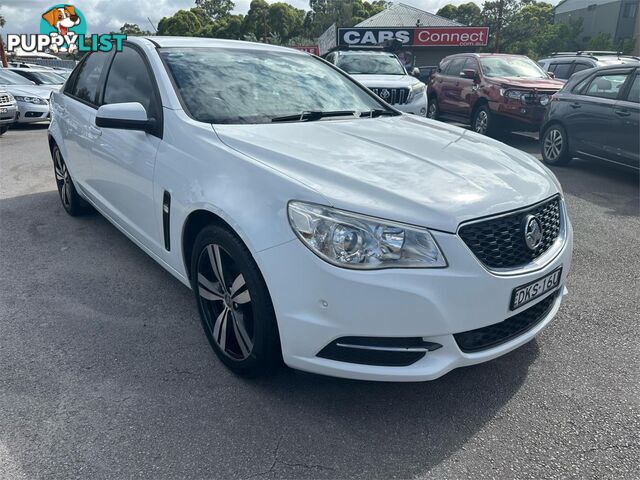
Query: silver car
[(8, 111), (32, 99)]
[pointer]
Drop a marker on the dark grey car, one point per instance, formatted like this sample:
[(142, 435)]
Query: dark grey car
[(595, 115)]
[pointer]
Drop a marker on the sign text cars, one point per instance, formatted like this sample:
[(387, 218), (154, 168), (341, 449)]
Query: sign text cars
[(424, 37)]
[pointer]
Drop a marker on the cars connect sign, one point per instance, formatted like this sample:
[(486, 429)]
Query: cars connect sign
[(451, 36), (312, 49), (422, 37)]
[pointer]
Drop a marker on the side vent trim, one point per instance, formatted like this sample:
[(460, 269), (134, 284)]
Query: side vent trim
[(166, 213)]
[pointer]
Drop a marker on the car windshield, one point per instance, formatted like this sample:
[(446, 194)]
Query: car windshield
[(370, 64), (231, 85), (9, 78), (511, 67), (45, 78)]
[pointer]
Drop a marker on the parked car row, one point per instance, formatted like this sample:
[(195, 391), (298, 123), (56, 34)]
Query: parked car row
[(30, 89), (562, 65), (595, 114)]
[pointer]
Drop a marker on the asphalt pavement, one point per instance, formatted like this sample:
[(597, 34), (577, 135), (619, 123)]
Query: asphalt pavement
[(105, 371)]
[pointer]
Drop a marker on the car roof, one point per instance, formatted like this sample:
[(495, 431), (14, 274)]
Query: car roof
[(20, 69), (199, 42)]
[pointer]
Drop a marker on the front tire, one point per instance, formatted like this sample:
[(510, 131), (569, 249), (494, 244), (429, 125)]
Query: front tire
[(73, 204), (433, 112), (3, 129), (554, 146), (234, 303), (483, 121)]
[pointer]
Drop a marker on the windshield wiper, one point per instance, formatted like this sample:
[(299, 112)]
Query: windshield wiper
[(310, 115), (378, 113)]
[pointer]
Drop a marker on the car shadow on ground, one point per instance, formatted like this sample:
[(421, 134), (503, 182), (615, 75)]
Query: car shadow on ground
[(115, 375)]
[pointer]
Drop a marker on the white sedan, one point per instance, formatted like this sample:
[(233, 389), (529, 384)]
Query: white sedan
[(329, 231)]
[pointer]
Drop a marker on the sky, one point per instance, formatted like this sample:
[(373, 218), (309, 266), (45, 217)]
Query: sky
[(103, 16)]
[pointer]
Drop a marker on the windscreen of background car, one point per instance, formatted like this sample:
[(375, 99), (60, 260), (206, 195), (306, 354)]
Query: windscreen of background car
[(46, 78), (370, 64), (10, 78), (511, 67), (219, 85)]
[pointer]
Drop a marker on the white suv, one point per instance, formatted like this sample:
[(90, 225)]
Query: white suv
[(383, 74), (329, 230)]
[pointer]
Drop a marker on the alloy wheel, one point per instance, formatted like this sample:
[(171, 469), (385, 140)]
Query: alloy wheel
[(62, 178), (226, 302), (482, 122), (553, 143), (432, 111)]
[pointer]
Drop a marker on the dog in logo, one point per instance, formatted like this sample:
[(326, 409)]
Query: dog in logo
[(62, 19)]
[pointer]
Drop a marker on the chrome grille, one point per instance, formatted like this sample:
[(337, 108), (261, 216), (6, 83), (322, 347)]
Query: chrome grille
[(394, 96), (499, 242), (4, 99)]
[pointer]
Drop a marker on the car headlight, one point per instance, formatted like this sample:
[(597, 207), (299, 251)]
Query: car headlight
[(415, 91), (356, 241), (514, 94), (36, 100), (544, 100)]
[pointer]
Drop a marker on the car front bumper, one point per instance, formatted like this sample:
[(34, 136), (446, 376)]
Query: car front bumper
[(32, 112), (317, 303), (418, 106), (8, 113), (527, 117)]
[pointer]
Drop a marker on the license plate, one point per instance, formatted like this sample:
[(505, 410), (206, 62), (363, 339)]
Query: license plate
[(529, 292), (4, 110)]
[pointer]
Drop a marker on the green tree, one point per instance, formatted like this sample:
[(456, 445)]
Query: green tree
[(229, 26), (601, 41), (285, 21), (466, 14), (182, 23), (216, 9), (257, 18), (133, 30)]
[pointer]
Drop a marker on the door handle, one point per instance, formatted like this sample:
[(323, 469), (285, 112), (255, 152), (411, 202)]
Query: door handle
[(575, 105), (95, 131), (622, 112)]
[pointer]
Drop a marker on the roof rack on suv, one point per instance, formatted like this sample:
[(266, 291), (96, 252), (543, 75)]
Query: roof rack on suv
[(593, 54)]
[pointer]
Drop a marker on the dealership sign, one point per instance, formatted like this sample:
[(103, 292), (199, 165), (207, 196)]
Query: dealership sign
[(312, 49), (421, 36)]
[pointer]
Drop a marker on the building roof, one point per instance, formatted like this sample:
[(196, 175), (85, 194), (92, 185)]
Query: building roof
[(401, 15)]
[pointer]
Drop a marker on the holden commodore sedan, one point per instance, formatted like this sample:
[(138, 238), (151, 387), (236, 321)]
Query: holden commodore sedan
[(327, 230)]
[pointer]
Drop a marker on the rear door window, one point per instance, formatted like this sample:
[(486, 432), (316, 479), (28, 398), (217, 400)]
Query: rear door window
[(562, 70), (581, 66)]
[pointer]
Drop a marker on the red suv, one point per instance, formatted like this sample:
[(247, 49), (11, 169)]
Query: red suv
[(491, 91)]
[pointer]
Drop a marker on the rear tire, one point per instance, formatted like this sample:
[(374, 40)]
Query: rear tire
[(234, 303), (73, 204), (554, 146)]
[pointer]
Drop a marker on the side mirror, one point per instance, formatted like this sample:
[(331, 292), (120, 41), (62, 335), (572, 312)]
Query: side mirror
[(415, 71), (469, 73), (125, 116), (551, 74)]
